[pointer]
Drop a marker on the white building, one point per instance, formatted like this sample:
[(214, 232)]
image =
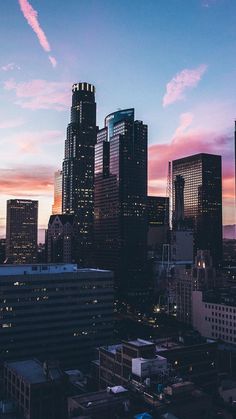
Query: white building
[(214, 314)]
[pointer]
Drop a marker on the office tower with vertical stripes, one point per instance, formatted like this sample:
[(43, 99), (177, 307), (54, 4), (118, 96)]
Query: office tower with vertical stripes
[(78, 167)]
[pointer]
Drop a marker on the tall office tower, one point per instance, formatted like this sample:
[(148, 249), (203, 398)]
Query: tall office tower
[(120, 223), (158, 224), (178, 216), (22, 231), (61, 238), (78, 167), (202, 190), (57, 204)]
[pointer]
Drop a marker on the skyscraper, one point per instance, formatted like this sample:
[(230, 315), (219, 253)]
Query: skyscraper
[(201, 185), (158, 224), (22, 230), (120, 223), (57, 204), (78, 167), (61, 238)]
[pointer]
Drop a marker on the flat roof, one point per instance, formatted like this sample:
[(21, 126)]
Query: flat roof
[(45, 269), (98, 398), (31, 370), (140, 342)]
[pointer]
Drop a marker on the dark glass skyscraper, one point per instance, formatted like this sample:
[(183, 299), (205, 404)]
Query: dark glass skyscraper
[(120, 223), (22, 231), (202, 191), (78, 167)]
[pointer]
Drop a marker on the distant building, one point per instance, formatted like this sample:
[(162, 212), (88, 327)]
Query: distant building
[(188, 278), (38, 390), (78, 167), (21, 231), (57, 204), (214, 313), (54, 311), (182, 244), (120, 223), (199, 179), (158, 223), (2, 250), (61, 239)]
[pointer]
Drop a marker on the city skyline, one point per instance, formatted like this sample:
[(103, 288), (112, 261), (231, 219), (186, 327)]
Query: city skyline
[(178, 85)]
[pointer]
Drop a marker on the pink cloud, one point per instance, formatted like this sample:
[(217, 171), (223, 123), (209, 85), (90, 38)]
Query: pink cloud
[(32, 141), (189, 142), (53, 61), (31, 15), (11, 123), (181, 81), (10, 67), (27, 181), (186, 120), (41, 94)]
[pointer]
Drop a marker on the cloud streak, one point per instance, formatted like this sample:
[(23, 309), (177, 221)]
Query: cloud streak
[(32, 141), (31, 16), (41, 94), (27, 181), (186, 79), (10, 67)]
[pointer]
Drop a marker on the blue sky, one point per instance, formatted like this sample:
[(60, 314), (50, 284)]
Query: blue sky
[(130, 50)]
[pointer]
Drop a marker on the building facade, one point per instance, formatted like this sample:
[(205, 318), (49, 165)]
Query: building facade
[(202, 193), (78, 167), (57, 204), (120, 223), (61, 239), (54, 312), (189, 278), (158, 224), (21, 231), (38, 390), (214, 313)]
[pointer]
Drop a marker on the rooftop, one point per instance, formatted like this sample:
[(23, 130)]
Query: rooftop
[(99, 398), (44, 269), (140, 342), (32, 371)]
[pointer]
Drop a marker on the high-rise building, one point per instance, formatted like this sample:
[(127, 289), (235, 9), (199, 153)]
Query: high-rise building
[(22, 231), (158, 223), (78, 167), (120, 223), (61, 238), (57, 204), (201, 185), (54, 312)]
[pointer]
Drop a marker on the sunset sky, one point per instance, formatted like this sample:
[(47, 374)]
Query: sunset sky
[(174, 61)]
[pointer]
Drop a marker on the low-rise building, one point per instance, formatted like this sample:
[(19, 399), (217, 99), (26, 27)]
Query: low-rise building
[(38, 390), (119, 363), (101, 404), (54, 311)]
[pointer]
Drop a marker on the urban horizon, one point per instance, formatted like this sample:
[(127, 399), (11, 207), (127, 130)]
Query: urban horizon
[(180, 121)]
